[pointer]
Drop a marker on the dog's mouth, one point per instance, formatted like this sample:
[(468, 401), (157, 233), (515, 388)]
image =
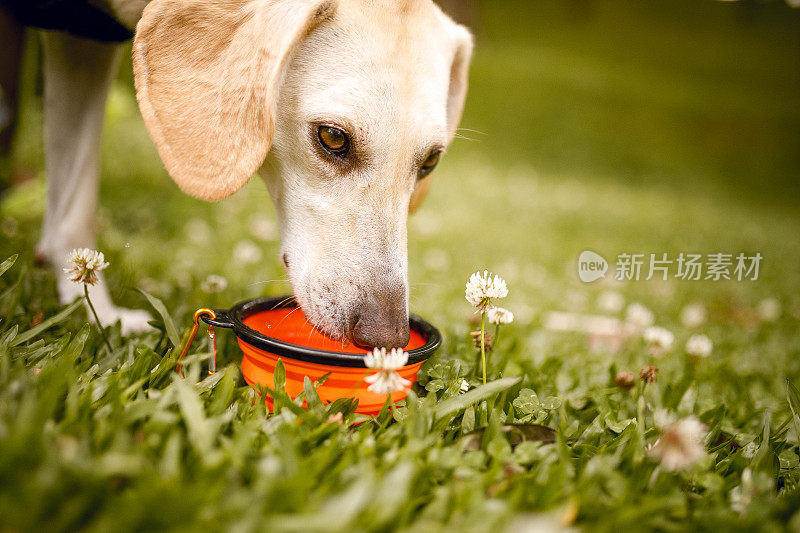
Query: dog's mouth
[(366, 309), (354, 325), (326, 320)]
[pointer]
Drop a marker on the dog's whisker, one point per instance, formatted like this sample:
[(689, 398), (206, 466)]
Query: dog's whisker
[(268, 281), (280, 304), (313, 331), (310, 333), (473, 131), (287, 300), (287, 316)]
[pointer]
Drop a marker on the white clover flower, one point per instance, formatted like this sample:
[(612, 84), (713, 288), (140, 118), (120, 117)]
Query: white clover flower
[(338, 418), (749, 450), (481, 288), (699, 346), (680, 445), (246, 253), (610, 302), (197, 230), (86, 263), (386, 380), (263, 228), (753, 485), (436, 259), (742, 495), (214, 283), (663, 417), (769, 309), (9, 227), (499, 315), (379, 359), (639, 316), (659, 340), (694, 315)]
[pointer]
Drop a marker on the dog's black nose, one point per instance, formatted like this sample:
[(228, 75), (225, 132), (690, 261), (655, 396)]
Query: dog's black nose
[(382, 321)]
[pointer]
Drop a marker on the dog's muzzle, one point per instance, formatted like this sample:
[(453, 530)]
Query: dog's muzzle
[(382, 320)]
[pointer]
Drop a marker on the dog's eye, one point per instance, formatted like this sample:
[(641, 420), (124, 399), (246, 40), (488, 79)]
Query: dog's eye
[(430, 163), (333, 140)]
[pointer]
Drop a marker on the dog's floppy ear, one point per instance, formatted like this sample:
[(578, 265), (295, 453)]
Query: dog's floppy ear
[(459, 73), (207, 73)]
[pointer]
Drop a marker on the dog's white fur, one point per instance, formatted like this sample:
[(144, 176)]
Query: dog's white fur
[(77, 74), (387, 78), (230, 86)]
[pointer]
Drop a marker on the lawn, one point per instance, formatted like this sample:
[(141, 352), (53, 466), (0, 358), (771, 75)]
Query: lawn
[(613, 127)]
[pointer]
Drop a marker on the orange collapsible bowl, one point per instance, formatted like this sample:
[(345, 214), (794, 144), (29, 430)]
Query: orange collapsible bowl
[(274, 328)]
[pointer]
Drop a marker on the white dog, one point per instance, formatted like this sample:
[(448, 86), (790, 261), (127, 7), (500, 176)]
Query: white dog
[(344, 106)]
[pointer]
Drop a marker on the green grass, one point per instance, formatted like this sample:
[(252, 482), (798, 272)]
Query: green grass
[(647, 128)]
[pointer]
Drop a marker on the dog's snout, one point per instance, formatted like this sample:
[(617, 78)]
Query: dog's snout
[(379, 330), (382, 321)]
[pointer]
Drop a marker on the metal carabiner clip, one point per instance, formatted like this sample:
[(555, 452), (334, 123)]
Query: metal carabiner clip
[(202, 312)]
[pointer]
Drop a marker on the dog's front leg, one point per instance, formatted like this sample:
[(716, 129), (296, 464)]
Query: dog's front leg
[(77, 73)]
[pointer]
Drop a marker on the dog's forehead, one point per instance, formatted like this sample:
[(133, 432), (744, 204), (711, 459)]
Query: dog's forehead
[(377, 67)]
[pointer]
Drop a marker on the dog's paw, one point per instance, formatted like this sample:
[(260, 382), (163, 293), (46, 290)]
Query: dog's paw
[(131, 320)]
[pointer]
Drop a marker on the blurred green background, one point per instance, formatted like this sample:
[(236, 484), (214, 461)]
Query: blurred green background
[(697, 96), (614, 126)]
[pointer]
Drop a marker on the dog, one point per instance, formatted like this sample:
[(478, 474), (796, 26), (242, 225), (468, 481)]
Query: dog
[(343, 107)]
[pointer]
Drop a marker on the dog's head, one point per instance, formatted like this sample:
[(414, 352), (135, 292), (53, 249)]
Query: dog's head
[(346, 107)]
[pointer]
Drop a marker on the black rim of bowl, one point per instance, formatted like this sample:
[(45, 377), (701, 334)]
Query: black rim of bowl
[(233, 318)]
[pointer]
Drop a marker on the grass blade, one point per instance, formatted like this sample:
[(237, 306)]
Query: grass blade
[(8, 263), (53, 320), (279, 376), (312, 398), (9, 335), (462, 401), (793, 395), (169, 324), (198, 428)]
